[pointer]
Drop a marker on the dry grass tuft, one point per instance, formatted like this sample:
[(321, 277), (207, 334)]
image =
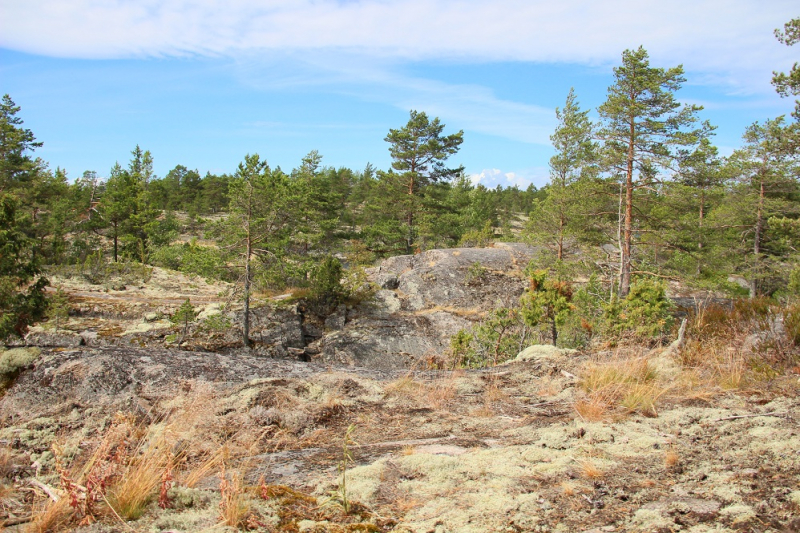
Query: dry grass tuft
[(592, 408), (405, 386), (590, 470), (629, 382), (139, 478), (642, 397), (439, 393), (234, 504), (671, 458), (548, 387), (51, 516), (210, 464), (408, 450), (568, 488)]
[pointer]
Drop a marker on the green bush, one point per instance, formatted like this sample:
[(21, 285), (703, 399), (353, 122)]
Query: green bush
[(326, 290), (192, 258), (499, 337), (645, 313)]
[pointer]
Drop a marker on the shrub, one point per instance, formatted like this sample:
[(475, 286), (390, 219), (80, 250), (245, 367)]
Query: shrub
[(645, 313), (499, 337), (546, 302), (326, 290), (192, 258), (185, 315)]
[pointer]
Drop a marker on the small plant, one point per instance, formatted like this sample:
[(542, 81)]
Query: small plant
[(185, 315), (460, 347), (499, 337), (546, 302), (340, 496), (58, 310), (216, 323), (475, 274), (326, 290), (671, 458), (645, 313), (14, 361), (234, 506), (95, 269), (590, 470)]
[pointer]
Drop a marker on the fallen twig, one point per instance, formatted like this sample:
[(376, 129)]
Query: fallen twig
[(50, 491), (776, 413), (17, 521)]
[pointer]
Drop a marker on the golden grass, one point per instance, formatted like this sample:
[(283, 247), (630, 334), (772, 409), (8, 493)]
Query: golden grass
[(628, 382), (210, 464), (671, 458), (568, 488), (642, 397), (234, 505), (139, 478), (50, 516), (440, 393), (548, 387), (408, 450), (590, 471), (404, 386), (593, 408)]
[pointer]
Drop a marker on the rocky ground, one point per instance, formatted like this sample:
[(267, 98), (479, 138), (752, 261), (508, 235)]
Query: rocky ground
[(362, 439)]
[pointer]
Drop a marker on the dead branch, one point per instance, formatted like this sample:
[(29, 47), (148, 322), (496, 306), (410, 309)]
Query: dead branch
[(776, 414)]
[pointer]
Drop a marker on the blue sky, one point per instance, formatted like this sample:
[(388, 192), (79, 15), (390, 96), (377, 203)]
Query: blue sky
[(202, 83)]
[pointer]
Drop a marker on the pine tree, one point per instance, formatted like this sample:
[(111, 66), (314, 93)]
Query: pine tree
[(419, 152), (642, 128), (766, 187), (16, 166), (261, 209), (22, 299), (561, 217)]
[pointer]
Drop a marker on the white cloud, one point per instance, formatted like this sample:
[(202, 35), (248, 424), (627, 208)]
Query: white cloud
[(729, 40), (493, 177)]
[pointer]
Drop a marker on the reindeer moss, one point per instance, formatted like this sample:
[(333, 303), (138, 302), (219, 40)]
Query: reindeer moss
[(14, 361)]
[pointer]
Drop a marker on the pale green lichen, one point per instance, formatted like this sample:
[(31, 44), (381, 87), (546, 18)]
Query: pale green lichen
[(650, 520), (13, 361), (739, 513), (364, 481), (184, 497), (794, 497)]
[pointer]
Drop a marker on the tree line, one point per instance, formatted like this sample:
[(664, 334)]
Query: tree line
[(641, 191)]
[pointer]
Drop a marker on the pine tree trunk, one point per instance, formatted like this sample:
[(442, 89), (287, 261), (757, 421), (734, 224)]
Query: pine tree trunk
[(625, 267), (410, 217), (757, 242), (246, 317)]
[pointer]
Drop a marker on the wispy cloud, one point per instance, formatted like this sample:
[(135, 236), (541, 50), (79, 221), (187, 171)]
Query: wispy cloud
[(472, 106), (729, 40)]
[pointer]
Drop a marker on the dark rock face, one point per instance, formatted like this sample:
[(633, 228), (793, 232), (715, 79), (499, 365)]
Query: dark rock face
[(425, 299)]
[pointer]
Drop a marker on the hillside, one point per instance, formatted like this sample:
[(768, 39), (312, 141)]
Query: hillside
[(115, 423)]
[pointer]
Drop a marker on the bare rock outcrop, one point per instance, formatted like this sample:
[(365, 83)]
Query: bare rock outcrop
[(423, 300)]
